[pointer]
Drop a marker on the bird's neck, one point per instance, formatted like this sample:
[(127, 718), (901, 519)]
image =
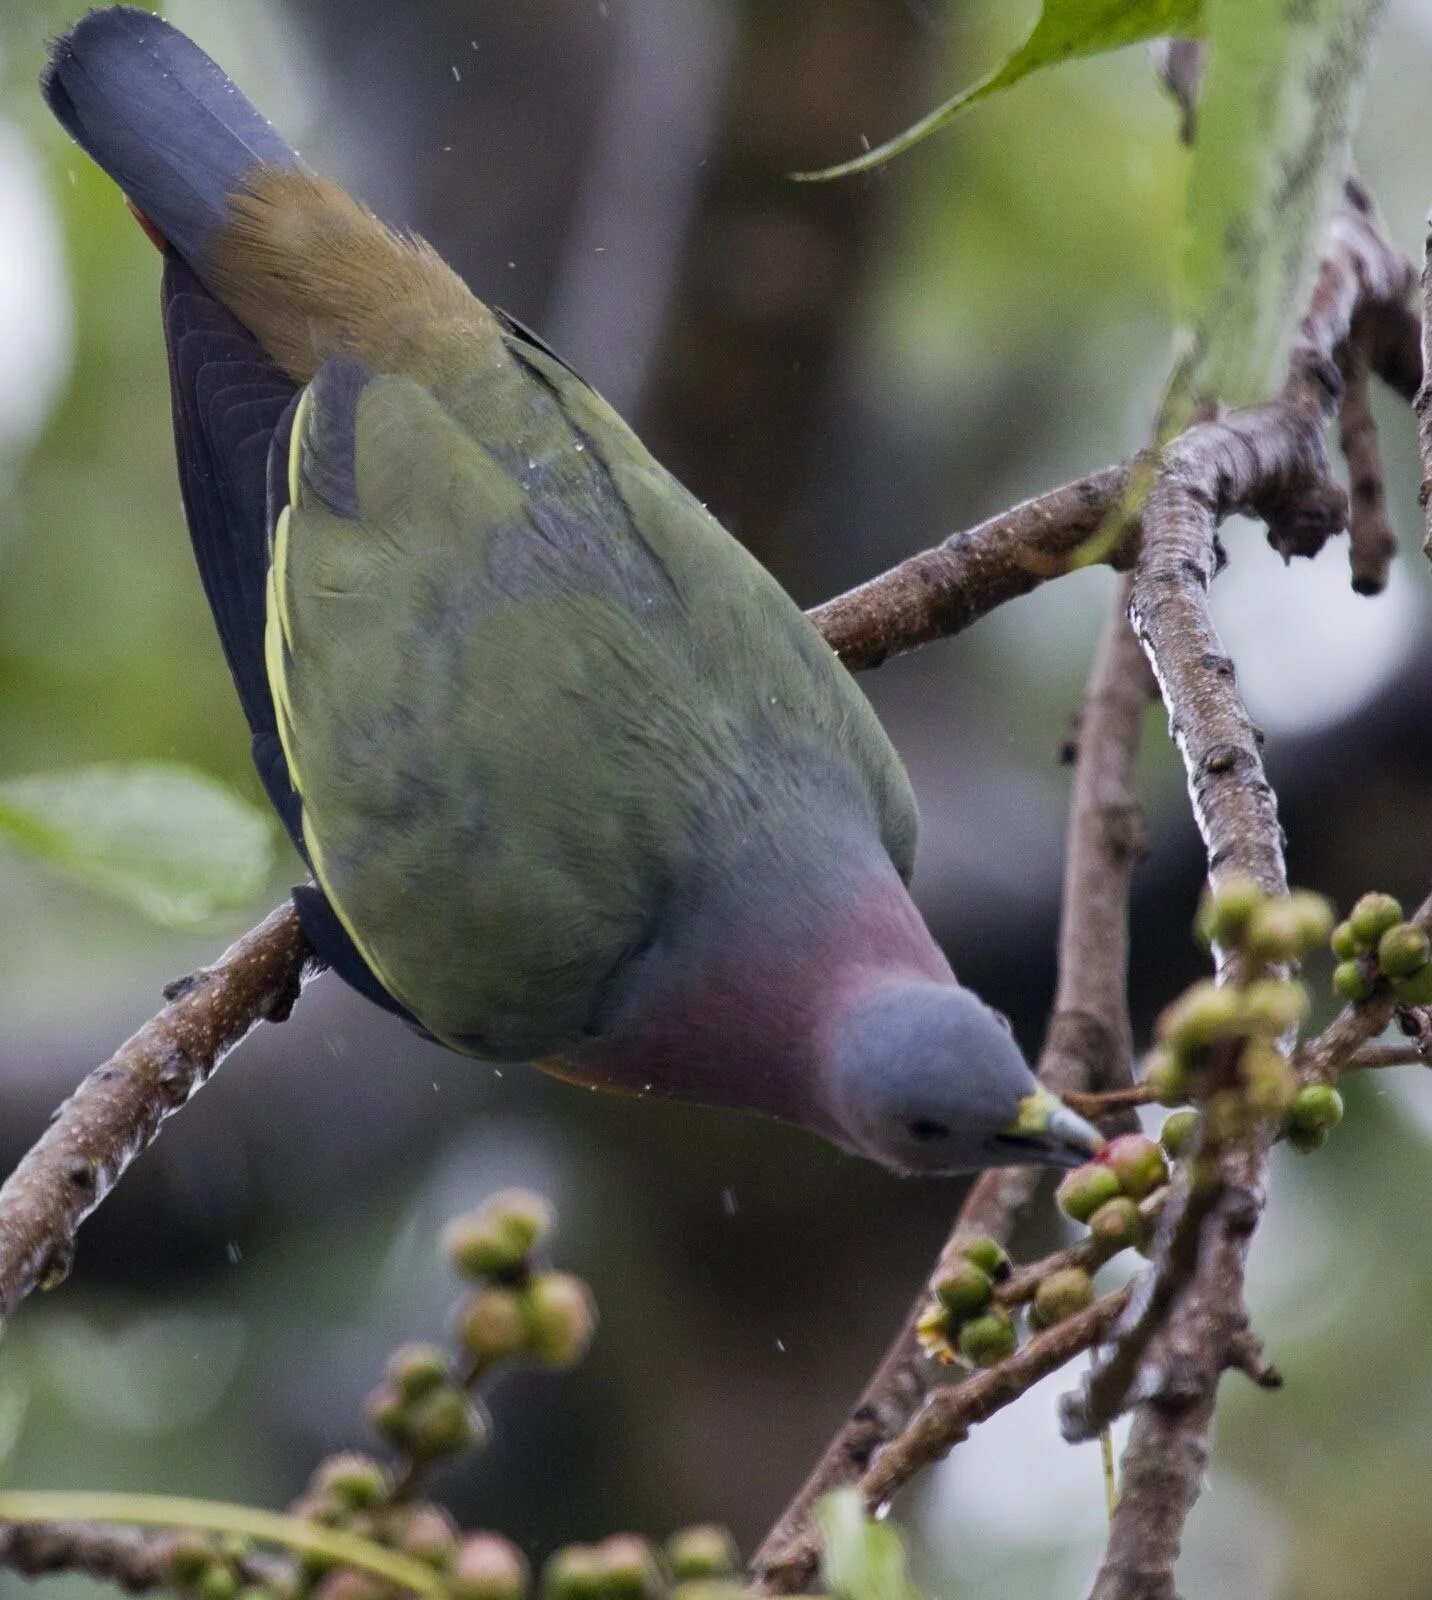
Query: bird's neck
[(743, 1012)]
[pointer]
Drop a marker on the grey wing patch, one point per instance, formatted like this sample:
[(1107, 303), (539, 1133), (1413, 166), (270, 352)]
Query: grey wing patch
[(328, 463), (579, 549)]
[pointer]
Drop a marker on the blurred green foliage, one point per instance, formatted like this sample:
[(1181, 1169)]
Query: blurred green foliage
[(166, 839), (1065, 29), (1275, 122), (863, 1559)]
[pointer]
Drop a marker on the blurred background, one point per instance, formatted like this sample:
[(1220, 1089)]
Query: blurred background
[(846, 373)]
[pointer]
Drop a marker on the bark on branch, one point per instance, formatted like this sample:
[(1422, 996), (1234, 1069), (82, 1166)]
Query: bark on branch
[(136, 1559), (1272, 462), (117, 1111), (124, 1556)]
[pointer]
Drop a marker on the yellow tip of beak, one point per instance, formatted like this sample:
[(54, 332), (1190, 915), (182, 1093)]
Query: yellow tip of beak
[(1044, 1116)]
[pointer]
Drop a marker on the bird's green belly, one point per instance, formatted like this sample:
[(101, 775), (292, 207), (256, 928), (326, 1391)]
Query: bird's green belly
[(498, 858)]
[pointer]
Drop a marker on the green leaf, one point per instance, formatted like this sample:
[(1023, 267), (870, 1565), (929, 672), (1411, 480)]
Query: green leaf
[(171, 841), (1274, 124), (1065, 30), (862, 1559)]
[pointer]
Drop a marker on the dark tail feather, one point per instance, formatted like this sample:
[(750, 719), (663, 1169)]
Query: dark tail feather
[(161, 118)]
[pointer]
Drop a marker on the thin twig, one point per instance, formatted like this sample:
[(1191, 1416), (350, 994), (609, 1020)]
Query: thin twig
[(945, 1418), (1374, 1056), (125, 1556), (1422, 405), (1180, 69), (1247, 1355), (1110, 1102), (950, 1412), (1371, 541), (943, 590), (135, 1559), (1087, 1043)]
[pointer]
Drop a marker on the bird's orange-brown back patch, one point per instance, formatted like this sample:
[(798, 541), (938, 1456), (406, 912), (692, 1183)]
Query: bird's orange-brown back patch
[(314, 274)]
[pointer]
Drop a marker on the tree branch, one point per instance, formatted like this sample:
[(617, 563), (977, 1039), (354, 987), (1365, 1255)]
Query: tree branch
[(1273, 464), (1422, 404), (117, 1555), (117, 1111), (1088, 1043), (1371, 542), (951, 1411), (942, 591), (138, 1560)]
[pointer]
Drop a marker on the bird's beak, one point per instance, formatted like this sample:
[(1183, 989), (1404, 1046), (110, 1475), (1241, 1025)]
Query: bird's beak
[(1051, 1132)]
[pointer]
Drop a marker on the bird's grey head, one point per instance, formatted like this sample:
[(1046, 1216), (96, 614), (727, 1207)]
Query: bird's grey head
[(925, 1078)]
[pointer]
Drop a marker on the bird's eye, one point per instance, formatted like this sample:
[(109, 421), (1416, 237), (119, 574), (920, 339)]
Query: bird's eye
[(927, 1131)]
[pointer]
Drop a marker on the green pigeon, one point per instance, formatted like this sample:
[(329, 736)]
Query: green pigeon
[(576, 780)]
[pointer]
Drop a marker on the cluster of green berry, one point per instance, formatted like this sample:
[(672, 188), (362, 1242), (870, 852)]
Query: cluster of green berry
[(1240, 915), (963, 1321), (515, 1312), (698, 1563), (354, 1493), (1376, 950), (357, 1494), (1218, 1043), (968, 1320), (210, 1567), (1112, 1194)]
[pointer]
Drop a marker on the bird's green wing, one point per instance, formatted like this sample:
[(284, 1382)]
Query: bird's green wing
[(518, 669), (735, 612)]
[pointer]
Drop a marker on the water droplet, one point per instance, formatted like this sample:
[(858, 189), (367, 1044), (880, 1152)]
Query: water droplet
[(456, 75), (233, 1252), (579, 448), (728, 1202)]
